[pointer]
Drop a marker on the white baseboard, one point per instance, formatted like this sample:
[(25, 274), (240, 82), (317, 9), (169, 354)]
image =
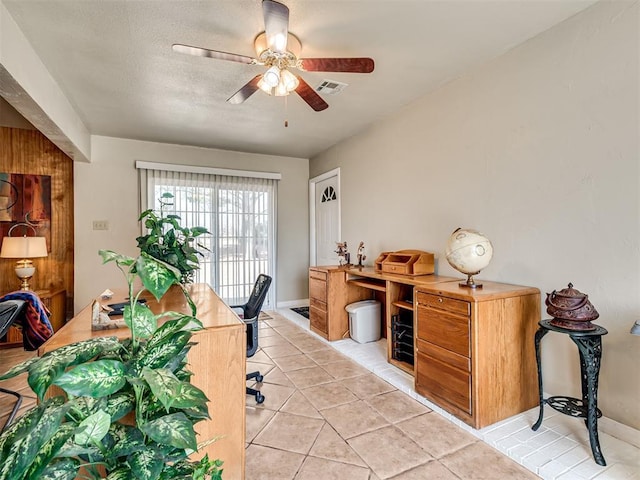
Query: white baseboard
[(620, 431), (294, 303)]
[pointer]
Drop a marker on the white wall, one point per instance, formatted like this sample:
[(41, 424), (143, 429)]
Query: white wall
[(107, 189), (28, 86), (539, 150)]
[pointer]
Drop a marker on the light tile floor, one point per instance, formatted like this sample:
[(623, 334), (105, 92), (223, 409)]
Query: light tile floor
[(328, 417), (558, 450)]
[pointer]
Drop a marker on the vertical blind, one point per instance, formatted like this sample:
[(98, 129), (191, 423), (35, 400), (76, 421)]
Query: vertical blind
[(240, 213)]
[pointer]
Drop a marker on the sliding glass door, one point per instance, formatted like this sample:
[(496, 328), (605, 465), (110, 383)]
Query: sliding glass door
[(240, 214)]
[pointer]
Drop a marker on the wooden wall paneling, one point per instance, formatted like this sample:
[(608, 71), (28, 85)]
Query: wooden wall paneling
[(30, 152)]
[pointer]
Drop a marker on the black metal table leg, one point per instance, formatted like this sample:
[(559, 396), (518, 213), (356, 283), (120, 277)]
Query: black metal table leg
[(539, 334), (589, 345), (590, 349)]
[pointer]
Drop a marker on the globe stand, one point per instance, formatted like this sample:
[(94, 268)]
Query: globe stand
[(470, 283)]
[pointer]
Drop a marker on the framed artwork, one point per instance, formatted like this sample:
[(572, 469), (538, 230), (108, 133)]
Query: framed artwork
[(25, 198)]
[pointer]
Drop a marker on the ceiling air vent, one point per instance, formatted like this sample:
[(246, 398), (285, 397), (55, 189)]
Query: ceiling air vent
[(331, 87)]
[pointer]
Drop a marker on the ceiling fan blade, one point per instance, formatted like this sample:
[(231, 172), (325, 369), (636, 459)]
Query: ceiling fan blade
[(276, 25), (205, 52), (310, 96), (349, 65), (246, 91)]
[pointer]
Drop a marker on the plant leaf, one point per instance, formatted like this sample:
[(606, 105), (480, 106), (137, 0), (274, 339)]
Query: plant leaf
[(95, 379), (197, 231), (22, 426), (172, 392), (10, 460), (143, 322), (20, 368), (88, 349), (146, 464), (50, 449), (174, 429), (22, 453), (111, 256), (189, 396), (65, 469), (156, 276), (121, 473), (161, 354), (119, 404), (72, 449), (93, 428), (127, 440), (167, 329), (163, 384), (49, 368), (82, 407)]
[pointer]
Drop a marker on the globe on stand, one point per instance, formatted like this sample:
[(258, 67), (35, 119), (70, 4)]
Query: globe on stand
[(468, 251)]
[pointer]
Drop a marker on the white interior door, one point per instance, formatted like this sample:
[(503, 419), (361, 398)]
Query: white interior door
[(326, 218)]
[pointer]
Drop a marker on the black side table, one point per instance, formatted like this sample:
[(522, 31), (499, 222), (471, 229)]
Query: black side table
[(590, 347)]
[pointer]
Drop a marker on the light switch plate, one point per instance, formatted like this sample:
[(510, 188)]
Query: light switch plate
[(101, 225)]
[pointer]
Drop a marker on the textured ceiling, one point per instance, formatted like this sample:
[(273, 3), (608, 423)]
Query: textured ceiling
[(113, 61)]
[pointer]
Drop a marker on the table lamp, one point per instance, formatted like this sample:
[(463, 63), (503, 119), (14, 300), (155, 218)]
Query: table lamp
[(25, 248)]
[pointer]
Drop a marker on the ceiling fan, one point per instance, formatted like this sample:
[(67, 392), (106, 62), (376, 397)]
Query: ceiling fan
[(278, 51)]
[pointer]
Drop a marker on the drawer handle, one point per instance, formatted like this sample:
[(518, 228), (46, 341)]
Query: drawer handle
[(440, 299)]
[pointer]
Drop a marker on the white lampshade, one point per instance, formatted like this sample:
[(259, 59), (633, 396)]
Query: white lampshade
[(289, 80), (262, 85), (272, 76), (23, 247)]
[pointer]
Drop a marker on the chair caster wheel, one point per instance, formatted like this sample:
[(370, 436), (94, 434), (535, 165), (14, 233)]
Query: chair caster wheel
[(259, 378), (259, 398)]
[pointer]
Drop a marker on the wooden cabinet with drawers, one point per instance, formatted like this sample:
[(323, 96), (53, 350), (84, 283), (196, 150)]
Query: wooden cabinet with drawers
[(56, 303), (328, 295), (474, 349)]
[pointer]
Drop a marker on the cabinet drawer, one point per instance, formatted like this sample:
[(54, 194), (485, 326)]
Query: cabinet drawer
[(318, 289), (445, 356), (396, 268), (444, 330), (318, 275), (317, 304), (443, 303), (444, 381), (318, 319)]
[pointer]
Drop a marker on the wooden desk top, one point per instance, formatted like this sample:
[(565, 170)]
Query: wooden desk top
[(416, 280), (212, 312), (488, 291)]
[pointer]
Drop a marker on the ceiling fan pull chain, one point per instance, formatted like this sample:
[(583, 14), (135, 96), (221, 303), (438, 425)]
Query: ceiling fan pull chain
[(286, 122)]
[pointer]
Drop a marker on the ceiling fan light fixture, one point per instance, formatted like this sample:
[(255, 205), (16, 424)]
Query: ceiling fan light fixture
[(281, 90), (265, 87), (289, 80), (272, 76)]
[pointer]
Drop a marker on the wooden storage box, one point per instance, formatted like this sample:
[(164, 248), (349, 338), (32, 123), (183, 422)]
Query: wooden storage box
[(406, 262)]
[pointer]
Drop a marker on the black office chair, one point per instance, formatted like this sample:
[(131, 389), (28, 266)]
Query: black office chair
[(10, 311), (250, 313)]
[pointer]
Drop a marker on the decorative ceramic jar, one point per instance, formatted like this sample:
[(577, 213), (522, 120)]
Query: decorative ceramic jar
[(571, 309)]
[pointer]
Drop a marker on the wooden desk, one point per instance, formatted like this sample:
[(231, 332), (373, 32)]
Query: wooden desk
[(331, 288), (218, 363), (469, 350), (397, 291)]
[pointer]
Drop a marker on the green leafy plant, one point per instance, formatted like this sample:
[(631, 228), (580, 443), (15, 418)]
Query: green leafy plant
[(169, 242), (128, 409)]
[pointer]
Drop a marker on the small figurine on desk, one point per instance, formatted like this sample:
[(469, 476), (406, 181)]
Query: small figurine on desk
[(361, 256), (343, 254)]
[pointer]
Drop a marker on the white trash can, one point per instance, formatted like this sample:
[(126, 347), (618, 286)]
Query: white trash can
[(364, 320)]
